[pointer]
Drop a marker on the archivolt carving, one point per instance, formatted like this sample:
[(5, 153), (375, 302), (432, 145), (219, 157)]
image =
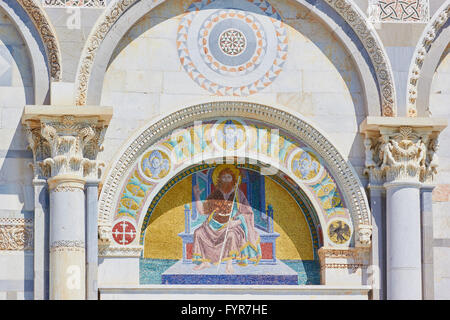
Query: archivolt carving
[(345, 8), (345, 177), (47, 33), (371, 42), (425, 42)]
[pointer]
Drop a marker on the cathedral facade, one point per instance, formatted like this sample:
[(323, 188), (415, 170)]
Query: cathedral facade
[(293, 149)]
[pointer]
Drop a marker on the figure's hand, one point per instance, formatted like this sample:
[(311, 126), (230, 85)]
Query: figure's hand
[(197, 192), (234, 223)]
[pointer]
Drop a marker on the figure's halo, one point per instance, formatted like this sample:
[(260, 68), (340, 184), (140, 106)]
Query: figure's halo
[(220, 168)]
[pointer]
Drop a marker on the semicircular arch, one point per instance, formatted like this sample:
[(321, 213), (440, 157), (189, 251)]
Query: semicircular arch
[(128, 189)]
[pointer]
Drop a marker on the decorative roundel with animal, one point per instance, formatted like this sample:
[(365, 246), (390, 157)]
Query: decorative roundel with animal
[(124, 232), (232, 50), (339, 231)]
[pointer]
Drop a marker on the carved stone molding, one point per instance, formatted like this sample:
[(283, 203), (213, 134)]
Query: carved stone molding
[(401, 151), (120, 251), (364, 235), (74, 3), (37, 14), (68, 244), (346, 258), (406, 11), (346, 178), (16, 234), (104, 235), (345, 8), (65, 141), (369, 38), (66, 249), (425, 43)]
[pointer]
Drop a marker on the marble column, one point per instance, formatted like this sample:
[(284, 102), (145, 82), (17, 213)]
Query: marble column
[(378, 256), (403, 238), (67, 237), (41, 241), (427, 241), (70, 138), (39, 147), (401, 156), (91, 239)]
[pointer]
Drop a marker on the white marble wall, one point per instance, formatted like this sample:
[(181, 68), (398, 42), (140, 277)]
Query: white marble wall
[(439, 106), (319, 80), (145, 79), (16, 191)]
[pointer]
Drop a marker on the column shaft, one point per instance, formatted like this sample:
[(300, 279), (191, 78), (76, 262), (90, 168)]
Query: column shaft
[(41, 236), (404, 265), (91, 240), (67, 238), (378, 254), (427, 242)]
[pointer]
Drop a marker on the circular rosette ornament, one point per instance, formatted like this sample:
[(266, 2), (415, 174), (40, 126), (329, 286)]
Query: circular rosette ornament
[(155, 164), (235, 51)]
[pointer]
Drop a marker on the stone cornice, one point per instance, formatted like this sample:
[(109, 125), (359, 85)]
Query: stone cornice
[(376, 123), (66, 140), (35, 113), (343, 258)]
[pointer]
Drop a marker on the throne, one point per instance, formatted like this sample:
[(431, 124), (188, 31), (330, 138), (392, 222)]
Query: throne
[(252, 186)]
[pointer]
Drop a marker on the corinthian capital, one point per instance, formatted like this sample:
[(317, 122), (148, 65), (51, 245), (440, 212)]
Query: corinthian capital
[(66, 140), (401, 149)]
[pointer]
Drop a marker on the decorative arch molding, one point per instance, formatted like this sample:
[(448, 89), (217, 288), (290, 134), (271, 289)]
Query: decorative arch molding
[(47, 33), (346, 9), (420, 72), (38, 58), (343, 174)]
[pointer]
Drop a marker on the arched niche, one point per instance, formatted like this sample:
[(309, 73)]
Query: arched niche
[(128, 191), (35, 44), (289, 229)]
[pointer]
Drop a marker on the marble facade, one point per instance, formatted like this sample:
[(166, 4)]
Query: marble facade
[(106, 107)]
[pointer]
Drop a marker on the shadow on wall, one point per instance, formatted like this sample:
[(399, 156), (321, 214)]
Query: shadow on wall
[(16, 190)]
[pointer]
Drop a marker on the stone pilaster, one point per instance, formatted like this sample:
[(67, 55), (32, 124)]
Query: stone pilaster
[(400, 156), (65, 142)]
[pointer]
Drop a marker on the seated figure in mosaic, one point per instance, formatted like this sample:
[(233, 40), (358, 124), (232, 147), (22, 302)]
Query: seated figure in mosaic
[(212, 242)]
